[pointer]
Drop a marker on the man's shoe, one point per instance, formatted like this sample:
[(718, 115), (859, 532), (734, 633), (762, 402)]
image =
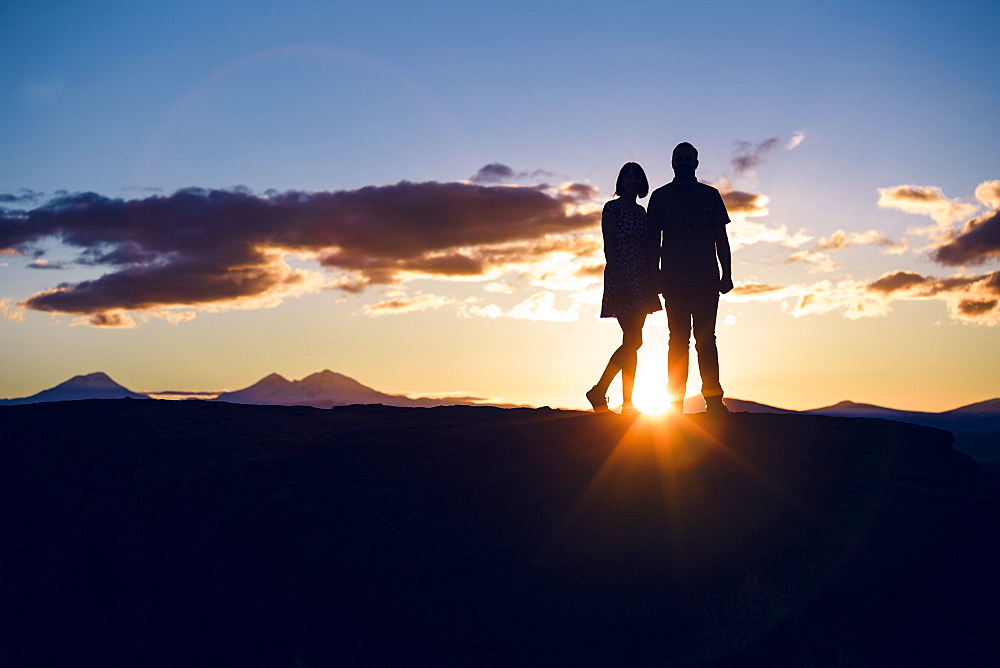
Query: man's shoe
[(714, 406)]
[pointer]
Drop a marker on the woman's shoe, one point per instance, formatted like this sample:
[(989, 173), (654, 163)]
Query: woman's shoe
[(630, 410), (597, 400)]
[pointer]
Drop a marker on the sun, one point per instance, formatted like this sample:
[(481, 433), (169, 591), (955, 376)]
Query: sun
[(650, 392)]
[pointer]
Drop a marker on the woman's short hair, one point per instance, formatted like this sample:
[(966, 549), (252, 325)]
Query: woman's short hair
[(643, 187)]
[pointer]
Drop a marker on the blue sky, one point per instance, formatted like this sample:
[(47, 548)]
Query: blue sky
[(137, 100)]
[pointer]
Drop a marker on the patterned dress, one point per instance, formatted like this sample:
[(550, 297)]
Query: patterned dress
[(633, 251)]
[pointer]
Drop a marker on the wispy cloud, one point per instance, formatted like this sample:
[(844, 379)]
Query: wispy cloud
[(745, 233), (499, 173), (540, 306), (22, 197), (421, 302), (818, 260), (841, 239)]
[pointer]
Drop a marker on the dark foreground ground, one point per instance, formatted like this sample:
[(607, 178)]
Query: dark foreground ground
[(147, 533)]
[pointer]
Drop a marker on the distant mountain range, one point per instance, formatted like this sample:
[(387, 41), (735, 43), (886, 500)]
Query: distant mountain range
[(319, 390), (328, 388)]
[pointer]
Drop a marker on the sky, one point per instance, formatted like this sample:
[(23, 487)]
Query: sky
[(197, 194)]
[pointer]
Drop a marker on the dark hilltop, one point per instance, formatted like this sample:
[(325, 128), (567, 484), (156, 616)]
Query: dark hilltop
[(141, 532)]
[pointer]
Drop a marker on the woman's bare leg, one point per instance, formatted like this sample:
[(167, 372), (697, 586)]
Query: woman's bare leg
[(624, 358), (631, 342)]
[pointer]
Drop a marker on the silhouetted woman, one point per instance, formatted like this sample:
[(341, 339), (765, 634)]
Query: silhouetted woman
[(629, 292)]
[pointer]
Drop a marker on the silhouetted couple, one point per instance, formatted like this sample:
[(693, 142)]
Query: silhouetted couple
[(676, 249)]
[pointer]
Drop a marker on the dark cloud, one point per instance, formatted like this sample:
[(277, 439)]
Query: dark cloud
[(897, 280), (111, 320), (918, 285), (45, 264), (974, 308), (21, 197), (493, 173), (740, 203), (217, 248), (750, 155), (978, 242), (499, 173), (972, 298)]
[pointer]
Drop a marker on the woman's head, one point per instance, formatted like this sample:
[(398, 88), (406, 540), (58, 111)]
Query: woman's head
[(631, 178)]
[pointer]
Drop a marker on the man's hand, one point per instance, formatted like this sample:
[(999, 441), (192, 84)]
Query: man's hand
[(726, 284)]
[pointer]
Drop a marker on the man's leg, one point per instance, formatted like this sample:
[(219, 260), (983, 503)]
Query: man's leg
[(705, 307), (679, 322)]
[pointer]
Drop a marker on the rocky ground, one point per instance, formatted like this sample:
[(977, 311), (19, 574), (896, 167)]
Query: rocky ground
[(188, 533)]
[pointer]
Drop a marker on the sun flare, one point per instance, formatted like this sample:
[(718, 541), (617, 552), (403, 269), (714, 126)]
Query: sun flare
[(650, 392)]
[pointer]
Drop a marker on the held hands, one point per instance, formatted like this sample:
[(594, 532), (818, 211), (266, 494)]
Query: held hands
[(725, 284)]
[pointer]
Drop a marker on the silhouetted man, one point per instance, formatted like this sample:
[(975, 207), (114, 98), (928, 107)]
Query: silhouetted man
[(692, 218)]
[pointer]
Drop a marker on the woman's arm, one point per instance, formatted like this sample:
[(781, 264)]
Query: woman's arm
[(609, 228)]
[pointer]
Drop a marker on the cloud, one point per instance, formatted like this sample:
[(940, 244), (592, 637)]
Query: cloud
[(215, 250), (21, 197), (41, 263), (500, 288), (407, 304), (744, 204), (970, 299), (988, 192), (745, 233), (9, 310), (499, 173), (796, 139), (758, 292), (749, 155), (814, 299), (977, 243), (841, 239), (539, 307), (112, 320), (925, 200), (819, 260)]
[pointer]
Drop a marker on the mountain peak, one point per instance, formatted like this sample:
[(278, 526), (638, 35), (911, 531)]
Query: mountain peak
[(97, 385), (98, 379)]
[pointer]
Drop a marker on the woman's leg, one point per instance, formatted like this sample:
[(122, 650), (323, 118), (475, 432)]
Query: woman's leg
[(631, 342), (624, 357)]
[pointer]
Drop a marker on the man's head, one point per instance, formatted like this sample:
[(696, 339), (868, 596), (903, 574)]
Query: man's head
[(684, 160)]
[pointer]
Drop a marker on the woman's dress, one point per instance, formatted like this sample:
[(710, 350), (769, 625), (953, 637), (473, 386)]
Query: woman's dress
[(631, 290)]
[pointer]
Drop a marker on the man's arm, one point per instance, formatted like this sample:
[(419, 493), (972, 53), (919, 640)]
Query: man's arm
[(721, 218), (725, 259)]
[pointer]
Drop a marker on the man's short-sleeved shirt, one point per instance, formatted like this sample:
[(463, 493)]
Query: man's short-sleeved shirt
[(688, 214)]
